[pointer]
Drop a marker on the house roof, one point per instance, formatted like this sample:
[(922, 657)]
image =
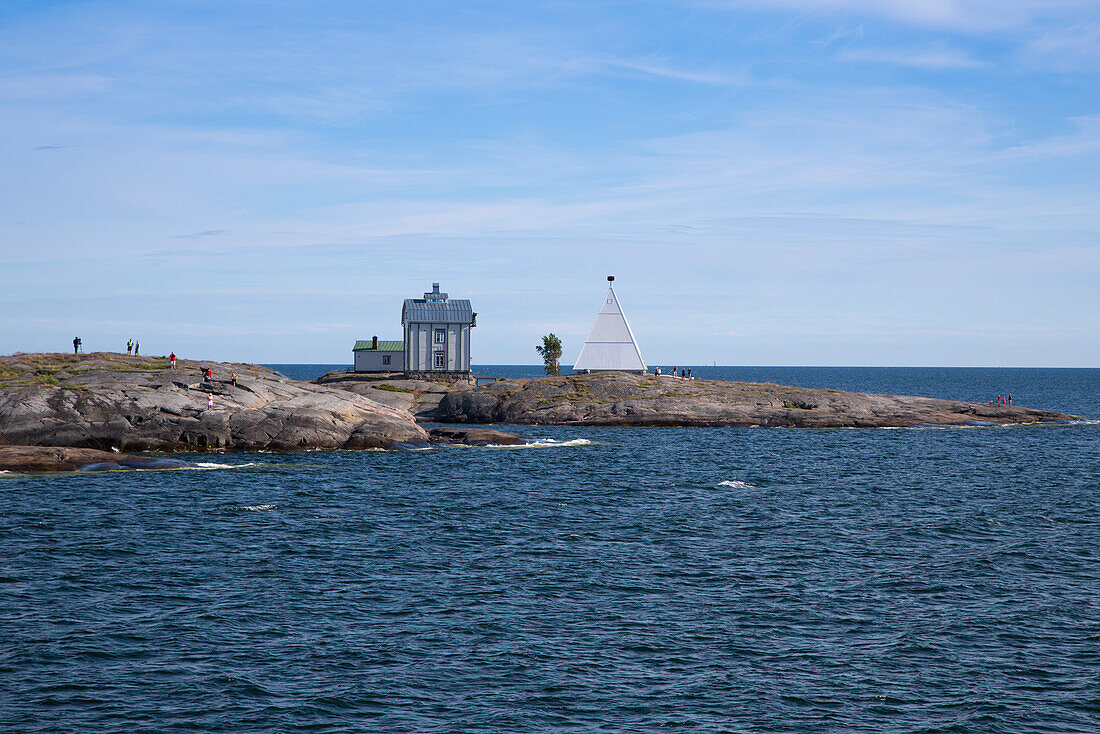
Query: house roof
[(364, 345), (421, 311)]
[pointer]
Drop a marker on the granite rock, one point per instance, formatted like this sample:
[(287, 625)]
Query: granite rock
[(476, 437), (114, 401), (621, 399), (62, 458)]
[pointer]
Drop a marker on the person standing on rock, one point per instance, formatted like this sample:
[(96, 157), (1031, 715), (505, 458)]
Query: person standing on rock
[(207, 375), (1010, 398), (76, 345), (130, 346), (172, 360), (233, 378), (137, 348)]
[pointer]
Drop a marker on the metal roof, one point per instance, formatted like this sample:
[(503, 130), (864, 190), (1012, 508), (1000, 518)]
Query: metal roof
[(364, 345), (421, 311)]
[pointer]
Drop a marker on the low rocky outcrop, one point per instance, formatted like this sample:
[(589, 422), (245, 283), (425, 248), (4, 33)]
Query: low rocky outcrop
[(620, 399), (61, 458), (113, 401), (420, 397), (476, 437)]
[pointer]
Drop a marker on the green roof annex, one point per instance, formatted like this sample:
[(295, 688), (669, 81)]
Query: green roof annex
[(364, 345)]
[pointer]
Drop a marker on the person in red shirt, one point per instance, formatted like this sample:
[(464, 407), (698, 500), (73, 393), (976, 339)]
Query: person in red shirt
[(172, 360)]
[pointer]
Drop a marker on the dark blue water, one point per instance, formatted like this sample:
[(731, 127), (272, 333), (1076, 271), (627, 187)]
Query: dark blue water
[(622, 580)]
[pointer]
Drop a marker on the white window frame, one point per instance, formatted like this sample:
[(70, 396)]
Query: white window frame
[(440, 336), (439, 361)]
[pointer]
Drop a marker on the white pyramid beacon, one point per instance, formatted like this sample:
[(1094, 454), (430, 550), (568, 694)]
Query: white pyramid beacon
[(610, 345)]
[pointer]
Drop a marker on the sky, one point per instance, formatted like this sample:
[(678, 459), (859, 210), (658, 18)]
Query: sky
[(779, 182)]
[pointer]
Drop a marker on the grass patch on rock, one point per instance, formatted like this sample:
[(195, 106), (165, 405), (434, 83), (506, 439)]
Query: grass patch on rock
[(391, 388)]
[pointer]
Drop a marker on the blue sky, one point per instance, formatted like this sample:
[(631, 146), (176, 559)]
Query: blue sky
[(821, 182)]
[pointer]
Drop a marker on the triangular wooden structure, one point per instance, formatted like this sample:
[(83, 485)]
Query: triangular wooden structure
[(610, 345)]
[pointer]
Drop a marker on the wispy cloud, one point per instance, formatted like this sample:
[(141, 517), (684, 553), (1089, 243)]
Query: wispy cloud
[(1083, 141), (52, 86), (200, 235), (842, 34), (1072, 49), (971, 16), (683, 75), (928, 58)]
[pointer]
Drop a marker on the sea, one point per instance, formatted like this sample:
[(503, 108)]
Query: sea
[(599, 580)]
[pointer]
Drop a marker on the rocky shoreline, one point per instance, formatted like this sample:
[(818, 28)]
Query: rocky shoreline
[(620, 399), (64, 458), (116, 403)]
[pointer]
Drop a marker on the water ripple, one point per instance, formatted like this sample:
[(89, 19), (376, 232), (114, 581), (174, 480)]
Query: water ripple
[(911, 581)]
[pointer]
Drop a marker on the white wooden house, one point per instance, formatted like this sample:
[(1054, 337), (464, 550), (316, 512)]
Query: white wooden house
[(437, 333)]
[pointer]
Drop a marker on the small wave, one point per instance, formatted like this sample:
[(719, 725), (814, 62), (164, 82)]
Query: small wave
[(256, 508), (212, 465), (545, 443), (538, 443), (736, 484)]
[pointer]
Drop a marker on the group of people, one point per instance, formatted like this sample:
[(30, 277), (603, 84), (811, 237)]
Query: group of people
[(685, 372), (1002, 400), (208, 375), (132, 347)]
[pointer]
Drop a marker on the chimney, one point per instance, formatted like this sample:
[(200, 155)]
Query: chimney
[(435, 287), (374, 343)]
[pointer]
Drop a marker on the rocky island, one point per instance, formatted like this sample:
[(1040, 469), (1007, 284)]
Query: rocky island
[(621, 399), (117, 403)]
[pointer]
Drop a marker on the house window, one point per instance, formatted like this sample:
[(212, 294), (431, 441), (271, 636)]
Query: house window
[(440, 336), (439, 362), (385, 359)]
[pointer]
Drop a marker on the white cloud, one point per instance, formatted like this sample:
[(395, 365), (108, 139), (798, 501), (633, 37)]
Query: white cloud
[(973, 16), (1072, 49), (52, 86), (926, 58), (1083, 141), (668, 72)]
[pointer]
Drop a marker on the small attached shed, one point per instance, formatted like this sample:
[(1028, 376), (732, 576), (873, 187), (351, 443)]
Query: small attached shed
[(379, 356)]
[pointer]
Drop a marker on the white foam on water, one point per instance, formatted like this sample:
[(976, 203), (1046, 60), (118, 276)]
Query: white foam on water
[(736, 484), (212, 465), (545, 443), (259, 507)]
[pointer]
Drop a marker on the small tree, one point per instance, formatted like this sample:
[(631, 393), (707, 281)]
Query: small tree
[(550, 351)]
